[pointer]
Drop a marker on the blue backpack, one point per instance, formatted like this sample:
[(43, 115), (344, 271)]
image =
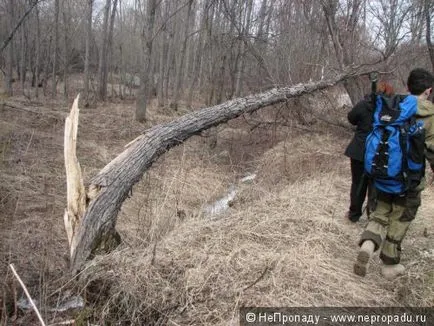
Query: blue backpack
[(394, 150)]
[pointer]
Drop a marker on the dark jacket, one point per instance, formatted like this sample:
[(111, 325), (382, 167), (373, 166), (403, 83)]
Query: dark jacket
[(361, 116)]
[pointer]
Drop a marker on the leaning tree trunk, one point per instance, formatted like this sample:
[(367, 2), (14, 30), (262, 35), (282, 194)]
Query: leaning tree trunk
[(90, 218)]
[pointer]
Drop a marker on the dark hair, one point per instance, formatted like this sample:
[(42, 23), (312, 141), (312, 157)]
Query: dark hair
[(419, 81)]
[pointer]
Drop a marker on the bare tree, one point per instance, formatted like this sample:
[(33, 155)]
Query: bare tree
[(103, 53), (180, 70), (66, 28), (344, 35), (10, 57), (55, 50), (38, 52), (147, 43), (246, 31), (428, 11), (89, 11)]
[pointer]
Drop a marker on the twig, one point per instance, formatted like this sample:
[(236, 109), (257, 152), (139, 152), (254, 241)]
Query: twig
[(258, 279), (22, 19), (66, 322), (27, 294), (154, 251)]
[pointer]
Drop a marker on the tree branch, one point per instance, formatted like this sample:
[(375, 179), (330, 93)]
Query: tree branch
[(20, 22)]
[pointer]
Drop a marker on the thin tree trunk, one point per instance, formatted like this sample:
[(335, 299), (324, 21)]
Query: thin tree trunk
[(428, 6), (23, 59), (210, 56), (10, 58), (47, 71), (55, 50), (180, 70), (121, 72), (38, 52), (240, 70), (110, 45), (145, 79), (87, 54), (65, 54), (102, 67), (161, 73), (199, 53), (169, 62), (92, 230)]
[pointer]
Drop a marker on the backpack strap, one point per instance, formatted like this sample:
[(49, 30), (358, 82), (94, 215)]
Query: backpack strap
[(403, 139)]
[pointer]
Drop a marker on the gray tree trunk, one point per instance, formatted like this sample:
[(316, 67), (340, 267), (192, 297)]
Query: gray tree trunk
[(87, 54), (145, 79), (429, 8), (180, 70), (246, 31), (38, 52), (199, 53), (161, 71), (10, 57), (23, 65), (102, 66), (110, 46), (55, 50), (65, 54), (114, 182)]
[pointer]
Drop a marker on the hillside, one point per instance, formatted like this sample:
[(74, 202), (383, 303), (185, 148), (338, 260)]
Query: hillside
[(282, 242)]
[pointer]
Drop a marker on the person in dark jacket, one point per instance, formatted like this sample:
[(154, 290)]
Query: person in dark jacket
[(361, 116)]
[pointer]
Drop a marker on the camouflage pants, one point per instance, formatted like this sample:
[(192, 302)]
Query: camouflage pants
[(389, 223)]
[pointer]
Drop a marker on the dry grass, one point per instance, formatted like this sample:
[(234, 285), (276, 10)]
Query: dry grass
[(290, 248), (283, 242)]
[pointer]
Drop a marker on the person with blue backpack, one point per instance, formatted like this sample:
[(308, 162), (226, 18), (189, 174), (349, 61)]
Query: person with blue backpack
[(361, 116), (395, 152)]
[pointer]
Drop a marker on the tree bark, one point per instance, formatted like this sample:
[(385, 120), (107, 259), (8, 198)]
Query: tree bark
[(87, 54), (246, 31), (102, 67), (38, 52), (428, 8), (10, 56), (65, 53), (95, 229), (56, 45), (23, 65), (145, 79), (199, 54), (180, 70), (110, 45)]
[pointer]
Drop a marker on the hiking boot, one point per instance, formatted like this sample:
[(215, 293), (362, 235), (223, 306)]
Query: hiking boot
[(363, 258), (390, 272), (352, 217)]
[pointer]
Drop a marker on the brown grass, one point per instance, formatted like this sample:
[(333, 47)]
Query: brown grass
[(283, 242)]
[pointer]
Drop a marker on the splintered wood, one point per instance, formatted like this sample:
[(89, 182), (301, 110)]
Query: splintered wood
[(76, 194)]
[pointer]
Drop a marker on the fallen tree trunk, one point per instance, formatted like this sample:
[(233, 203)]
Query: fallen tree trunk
[(94, 232)]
